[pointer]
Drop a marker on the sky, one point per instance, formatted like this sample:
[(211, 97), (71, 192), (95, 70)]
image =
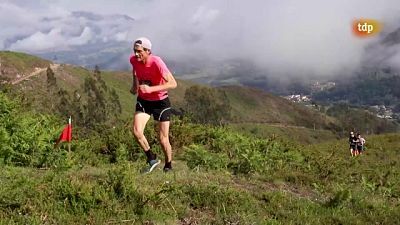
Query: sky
[(281, 36)]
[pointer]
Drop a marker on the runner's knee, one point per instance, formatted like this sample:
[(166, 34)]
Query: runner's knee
[(137, 132), (164, 140)]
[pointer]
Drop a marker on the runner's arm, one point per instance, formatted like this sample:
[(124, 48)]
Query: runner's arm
[(170, 83), (135, 83)]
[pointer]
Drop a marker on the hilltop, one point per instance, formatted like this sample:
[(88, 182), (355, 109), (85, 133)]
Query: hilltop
[(14, 65)]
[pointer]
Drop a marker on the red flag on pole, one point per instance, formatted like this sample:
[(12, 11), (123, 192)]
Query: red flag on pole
[(66, 134)]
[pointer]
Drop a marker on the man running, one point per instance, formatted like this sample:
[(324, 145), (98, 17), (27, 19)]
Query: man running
[(360, 144), (353, 143), (151, 80)]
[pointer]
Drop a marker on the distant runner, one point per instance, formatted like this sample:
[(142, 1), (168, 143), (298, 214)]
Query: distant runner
[(360, 144), (151, 80), (353, 144)]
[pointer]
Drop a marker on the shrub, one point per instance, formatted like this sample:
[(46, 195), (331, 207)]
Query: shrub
[(217, 148), (27, 138)]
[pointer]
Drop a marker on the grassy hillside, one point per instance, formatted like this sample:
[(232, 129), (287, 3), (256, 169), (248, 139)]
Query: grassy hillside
[(252, 105), (17, 63), (254, 112), (369, 87), (361, 120), (220, 177), (249, 105), (289, 133)]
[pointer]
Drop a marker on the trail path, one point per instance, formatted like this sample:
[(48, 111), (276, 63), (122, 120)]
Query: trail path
[(34, 73)]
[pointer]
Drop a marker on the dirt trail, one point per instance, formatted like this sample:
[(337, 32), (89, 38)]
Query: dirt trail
[(34, 73)]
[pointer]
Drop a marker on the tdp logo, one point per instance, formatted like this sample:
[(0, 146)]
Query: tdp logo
[(366, 27)]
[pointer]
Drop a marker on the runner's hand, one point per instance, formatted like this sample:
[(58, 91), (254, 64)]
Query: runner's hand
[(145, 89)]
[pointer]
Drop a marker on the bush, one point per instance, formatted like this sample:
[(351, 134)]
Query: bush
[(219, 148), (197, 156), (26, 138)]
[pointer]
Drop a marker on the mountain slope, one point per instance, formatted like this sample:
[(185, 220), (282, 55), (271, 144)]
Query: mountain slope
[(16, 64), (219, 177), (248, 105), (369, 87), (252, 105)]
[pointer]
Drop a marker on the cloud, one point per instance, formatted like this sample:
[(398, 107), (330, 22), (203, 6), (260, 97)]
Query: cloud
[(55, 39), (27, 27), (283, 37), (40, 41), (83, 38), (299, 38)]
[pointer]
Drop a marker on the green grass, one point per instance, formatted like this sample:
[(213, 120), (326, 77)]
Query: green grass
[(239, 174), (220, 176), (22, 63), (254, 106), (119, 193), (290, 133)]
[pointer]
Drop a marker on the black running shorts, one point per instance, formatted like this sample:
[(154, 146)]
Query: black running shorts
[(161, 110)]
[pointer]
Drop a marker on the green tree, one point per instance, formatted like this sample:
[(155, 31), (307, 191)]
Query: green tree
[(52, 90), (76, 107), (115, 102), (102, 103), (95, 105), (64, 106), (51, 80)]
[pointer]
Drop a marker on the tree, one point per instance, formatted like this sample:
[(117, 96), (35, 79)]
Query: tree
[(101, 103), (51, 80), (95, 105), (115, 103), (52, 90), (97, 76), (64, 106)]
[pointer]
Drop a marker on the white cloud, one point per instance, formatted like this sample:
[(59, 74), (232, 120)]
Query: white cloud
[(41, 41), (394, 59), (121, 36), (83, 38), (282, 36)]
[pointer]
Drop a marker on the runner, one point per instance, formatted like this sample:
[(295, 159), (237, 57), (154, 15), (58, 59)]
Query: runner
[(151, 80), (360, 144), (353, 144)]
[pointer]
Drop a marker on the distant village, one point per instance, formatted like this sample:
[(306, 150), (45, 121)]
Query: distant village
[(380, 111)]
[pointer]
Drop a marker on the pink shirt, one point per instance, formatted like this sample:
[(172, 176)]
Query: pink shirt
[(153, 73)]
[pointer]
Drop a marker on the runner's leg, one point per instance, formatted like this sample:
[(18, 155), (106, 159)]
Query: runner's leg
[(139, 123), (164, 140)]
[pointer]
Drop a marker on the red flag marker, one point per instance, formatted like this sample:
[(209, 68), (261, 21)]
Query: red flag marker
[(66, 134)]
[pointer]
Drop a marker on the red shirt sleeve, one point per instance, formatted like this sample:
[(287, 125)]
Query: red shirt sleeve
[(161, 67)]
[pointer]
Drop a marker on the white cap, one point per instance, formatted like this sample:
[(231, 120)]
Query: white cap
[(144, 42)]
